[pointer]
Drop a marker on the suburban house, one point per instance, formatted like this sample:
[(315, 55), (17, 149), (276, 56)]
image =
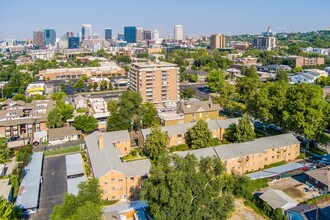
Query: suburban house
[(119, 180), (277, 199), (62, 135), (252, 155), (178, 133), (304, 77), (319, 178), (100, 111), (79, 102), (20, 119), (188, 111)]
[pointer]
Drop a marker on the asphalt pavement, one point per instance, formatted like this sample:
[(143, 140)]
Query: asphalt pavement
[(53, 187)]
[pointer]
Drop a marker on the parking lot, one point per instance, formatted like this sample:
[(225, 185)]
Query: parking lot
[(53, 187)]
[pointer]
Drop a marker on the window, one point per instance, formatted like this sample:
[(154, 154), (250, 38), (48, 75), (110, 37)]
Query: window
[(105, 191), (120, 188), (193, 114), (179, 135), (120, 180), (113, 188), (132, 189), (132, 178), (106, 182), (266, 158), (207, 114), (15, 133), (15, 127), (113, 180), (200, 115), (113, 197), (7, 128)]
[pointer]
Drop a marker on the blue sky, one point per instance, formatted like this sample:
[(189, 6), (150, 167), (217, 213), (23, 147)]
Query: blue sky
[(18, 18)]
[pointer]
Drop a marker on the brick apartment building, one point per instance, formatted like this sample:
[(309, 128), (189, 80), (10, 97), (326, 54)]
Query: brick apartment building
[(155, 81), (300, 61), (19, 119)]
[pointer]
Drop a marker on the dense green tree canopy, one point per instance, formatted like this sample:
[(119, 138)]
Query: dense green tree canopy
[(241, 132), (8, 211), (5, 152), (216, 80), (149, 115), (184, 188), (85, 123), (199, 136), (58, 96), (187, 93), (157, 142)]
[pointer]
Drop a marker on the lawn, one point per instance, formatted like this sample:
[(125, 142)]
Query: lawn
[(63, 150)]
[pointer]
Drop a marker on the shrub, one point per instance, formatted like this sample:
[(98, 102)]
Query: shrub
[(180, 147)]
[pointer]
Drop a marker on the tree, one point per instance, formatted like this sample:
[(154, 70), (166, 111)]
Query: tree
[(149, 115), (199, 136), (5, 152), (103, 85), (62, 85), (215, 80), (185, 188), (86, 205), (8, 211), (305, 110), (54, 118), (85, 123), (66, 110), (79, 85), (241, 132), (192, 78), (19, 97), (187, 93), (58, 96), (39, 97), (95, 86), (247, 88), (282, 75), (157, 142), (112, 106)]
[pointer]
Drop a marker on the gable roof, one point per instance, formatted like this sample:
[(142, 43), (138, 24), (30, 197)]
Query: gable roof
[(277, 199), (108, 158), (322, 175), (56, 133), (192, 107)]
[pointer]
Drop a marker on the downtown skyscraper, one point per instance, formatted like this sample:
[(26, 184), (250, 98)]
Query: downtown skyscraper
[(178, 32), (86, 31), (130, 34), (50, 37)]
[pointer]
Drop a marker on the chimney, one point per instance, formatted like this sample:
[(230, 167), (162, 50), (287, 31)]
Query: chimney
[(100, 141)]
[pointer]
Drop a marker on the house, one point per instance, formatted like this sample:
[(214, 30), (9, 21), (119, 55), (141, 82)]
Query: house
[(18, 118), (305, 77), (308, 212), (119, 180), (187, 112), (319, 178), (79, 102), (252, 155), (274, 68), (277, 199), (35, 89), (178, 133), (62, 135)]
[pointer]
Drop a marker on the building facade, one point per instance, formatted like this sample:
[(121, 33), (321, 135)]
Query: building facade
[(39, 39), (264, 42), (86, 31), (50, 37), (130, 34), (155, 82), (73, 42), (217, 41), (178, 32), (108, 34)]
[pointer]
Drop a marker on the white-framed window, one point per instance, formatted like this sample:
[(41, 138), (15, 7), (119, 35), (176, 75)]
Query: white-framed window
[(106, 182)]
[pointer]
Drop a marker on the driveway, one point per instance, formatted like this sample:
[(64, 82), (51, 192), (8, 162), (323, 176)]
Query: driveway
[(53, 187)]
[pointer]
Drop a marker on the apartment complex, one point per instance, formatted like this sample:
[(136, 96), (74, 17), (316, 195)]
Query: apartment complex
[(77, 73), (178, 32), (119, 180), (217, 41), (187, 112), (252, 155), (19, 119), (39, 39), (300, 61), (264, 42), (155, 81), (35, 89), (178, 133)]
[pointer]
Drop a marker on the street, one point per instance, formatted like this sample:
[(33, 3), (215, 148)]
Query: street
[(53, 187)]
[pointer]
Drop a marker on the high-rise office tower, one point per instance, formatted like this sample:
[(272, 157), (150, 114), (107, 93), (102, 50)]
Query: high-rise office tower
[(147, 35), (155, 82), (86, 31), (139, 34), (178, 32), (108, 34), (50, 37), (73, 42), (155, 36), (69, 34), (39, 39), (264, 43), (130, 34), (217, 41)]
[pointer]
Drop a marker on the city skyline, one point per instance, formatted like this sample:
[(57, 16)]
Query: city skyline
[(227, 17)]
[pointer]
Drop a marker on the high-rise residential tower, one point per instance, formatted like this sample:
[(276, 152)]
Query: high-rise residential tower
[(39, 39), (50, 37), (156, 82), (86, 31), (155, 35), (178, 32), (108, 34), (217, 41), (139, 34), (130, 34), (147, 35)]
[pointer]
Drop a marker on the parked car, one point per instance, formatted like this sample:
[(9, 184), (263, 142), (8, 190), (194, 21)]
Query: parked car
[(274, 127)]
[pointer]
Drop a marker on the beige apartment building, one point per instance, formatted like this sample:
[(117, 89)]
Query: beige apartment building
[(252, 155), (119, 180), (300, 61), (217, 41), (155, 81), (18, 119)]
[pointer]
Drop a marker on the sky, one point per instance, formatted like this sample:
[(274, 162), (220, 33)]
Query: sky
[(19, 18)]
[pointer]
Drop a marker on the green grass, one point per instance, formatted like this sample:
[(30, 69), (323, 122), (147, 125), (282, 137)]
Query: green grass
[(63, 150), (320, 199), (109, 202), (275, 164)]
